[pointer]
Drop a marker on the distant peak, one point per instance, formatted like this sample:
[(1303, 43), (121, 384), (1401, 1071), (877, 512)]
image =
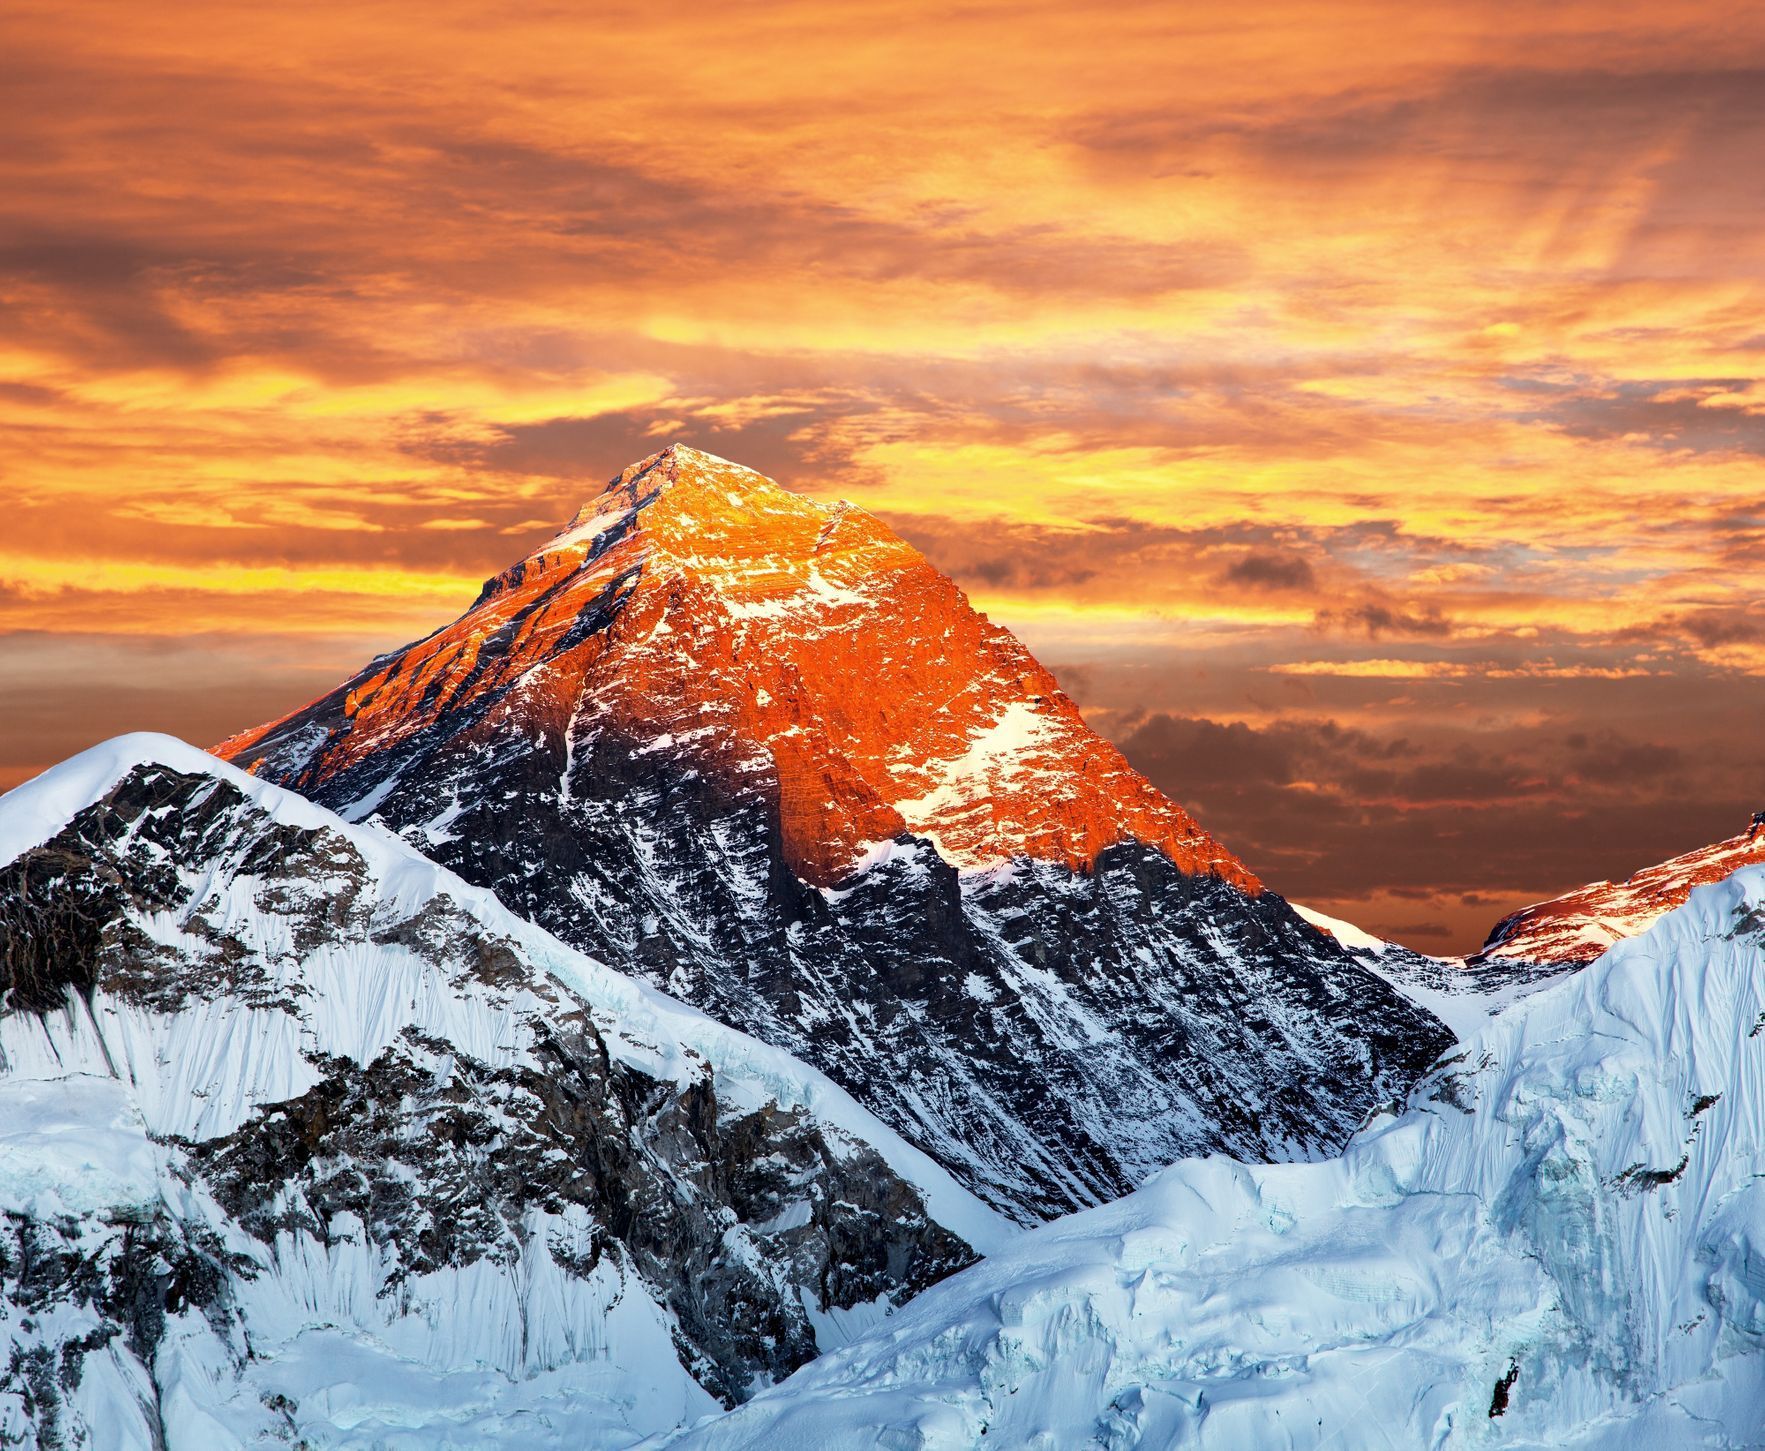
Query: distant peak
[(698, 601)]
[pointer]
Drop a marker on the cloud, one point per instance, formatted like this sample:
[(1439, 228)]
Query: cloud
[(1254, 370), (791, 438), (1270, 571), (1376, 620), (1703, 415), (1474, 822)]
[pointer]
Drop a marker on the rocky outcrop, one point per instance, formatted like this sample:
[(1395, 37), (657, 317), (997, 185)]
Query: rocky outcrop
[(758, 750)]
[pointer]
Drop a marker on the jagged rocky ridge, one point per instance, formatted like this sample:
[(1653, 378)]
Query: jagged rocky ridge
[(1572, 930), (759, 751), (1558, 1243), (303, 1138)]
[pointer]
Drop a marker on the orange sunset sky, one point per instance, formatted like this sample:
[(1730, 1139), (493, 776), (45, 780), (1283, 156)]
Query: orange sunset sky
[(1358, 406)]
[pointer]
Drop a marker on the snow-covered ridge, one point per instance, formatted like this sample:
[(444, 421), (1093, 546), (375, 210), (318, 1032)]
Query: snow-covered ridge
[(649, 1022), (1578, 926), (301, 1137), (1462, 996), (1560, 1242), (1356, 939)]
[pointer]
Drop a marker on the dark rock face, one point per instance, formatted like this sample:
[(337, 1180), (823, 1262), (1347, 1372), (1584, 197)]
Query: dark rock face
[(443, 1159), (177, 893), (54, 908), (1051, 1036)]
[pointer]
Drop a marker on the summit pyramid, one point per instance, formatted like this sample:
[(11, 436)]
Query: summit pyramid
[(758, 750)]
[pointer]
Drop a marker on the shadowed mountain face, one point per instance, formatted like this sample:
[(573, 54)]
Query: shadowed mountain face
[(759, 751), (1570, 931)]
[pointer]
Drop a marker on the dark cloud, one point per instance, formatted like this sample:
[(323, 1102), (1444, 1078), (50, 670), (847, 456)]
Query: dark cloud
[(1473, 822), (1419, 932), (94, 291), (1709, 627), (791, 442), (1541, 116), (1376, 619), (70, 691), (1663, 414), (1016, 556), (639, 222), (1233, 559), (160, 286), (1267, 571)]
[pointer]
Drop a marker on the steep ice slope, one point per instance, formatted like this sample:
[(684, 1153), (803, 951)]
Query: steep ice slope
[(1560, 1242), (303, 1137), (1578, 926), (758, 750)]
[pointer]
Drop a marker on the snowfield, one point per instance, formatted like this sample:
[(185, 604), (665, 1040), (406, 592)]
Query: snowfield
[(1559, 1242)]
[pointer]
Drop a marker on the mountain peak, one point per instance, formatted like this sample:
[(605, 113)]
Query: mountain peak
[(669, 479), (681, 466), (798, 648), (757, 750)]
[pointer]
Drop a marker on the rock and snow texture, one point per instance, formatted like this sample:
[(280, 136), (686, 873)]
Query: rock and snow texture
[(759, 751), (303, 1139), (1573, 929), (1461, 995), (1560, 1242)]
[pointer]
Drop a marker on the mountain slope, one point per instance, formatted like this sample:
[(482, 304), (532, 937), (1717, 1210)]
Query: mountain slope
[(302, 1137), (1559, 1243), (1461, 995), (759, 751), (1573, 929)]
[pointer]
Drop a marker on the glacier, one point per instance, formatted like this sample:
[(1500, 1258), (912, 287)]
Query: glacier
[(305, 1140), (1557, 1241)]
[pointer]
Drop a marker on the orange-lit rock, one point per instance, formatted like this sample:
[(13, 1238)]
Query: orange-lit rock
[(700, 606), (1575, 928)]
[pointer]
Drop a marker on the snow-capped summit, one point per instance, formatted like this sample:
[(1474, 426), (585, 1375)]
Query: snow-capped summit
[(698, 601), (1559, 1242), (1575, 928), (757, 749)]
